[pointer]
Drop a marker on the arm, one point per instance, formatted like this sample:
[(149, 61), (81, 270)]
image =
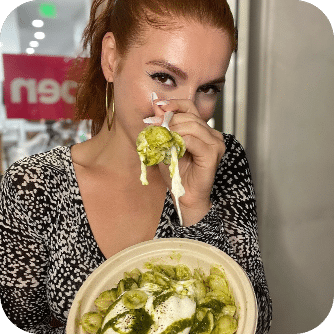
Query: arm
[(24, 263), (231, 224)]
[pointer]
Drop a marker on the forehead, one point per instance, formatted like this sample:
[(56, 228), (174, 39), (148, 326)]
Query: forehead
[(192, 46)]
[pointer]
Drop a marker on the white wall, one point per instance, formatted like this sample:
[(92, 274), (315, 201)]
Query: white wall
[(290, 148)]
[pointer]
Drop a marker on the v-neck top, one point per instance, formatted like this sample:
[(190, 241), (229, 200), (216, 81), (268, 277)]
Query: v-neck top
[(48, 249)]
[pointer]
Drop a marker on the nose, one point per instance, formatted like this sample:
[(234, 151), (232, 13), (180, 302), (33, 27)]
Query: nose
[(187, 93), (191, 96)]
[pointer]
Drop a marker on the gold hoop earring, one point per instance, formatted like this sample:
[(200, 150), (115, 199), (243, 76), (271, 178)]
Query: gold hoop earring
[(107, 106)]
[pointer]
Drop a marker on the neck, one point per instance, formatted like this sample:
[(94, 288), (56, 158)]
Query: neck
[(113, 152)]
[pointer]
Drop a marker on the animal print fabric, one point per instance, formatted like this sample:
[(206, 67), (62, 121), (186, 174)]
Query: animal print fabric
[(48, 250)]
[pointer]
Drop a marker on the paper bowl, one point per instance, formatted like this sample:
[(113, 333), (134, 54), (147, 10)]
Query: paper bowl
[(194, 254)]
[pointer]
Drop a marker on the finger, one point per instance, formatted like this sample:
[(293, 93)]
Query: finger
[(195, 134), (207, 154), (217, 134), (178, 106), (181, 117), (195, 124), (204, 155), (185, 111), (152, 120), (198, 131), (158, 111)]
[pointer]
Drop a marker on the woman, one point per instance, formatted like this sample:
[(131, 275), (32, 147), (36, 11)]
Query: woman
[(64, 212)]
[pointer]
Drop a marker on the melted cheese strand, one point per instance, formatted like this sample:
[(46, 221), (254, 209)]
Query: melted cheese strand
[(177, 187), (143, 175)]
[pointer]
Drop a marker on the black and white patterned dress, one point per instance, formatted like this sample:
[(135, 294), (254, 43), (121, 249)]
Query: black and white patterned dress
[(48, 250)]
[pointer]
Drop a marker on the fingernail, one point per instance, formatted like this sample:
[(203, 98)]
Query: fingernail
[(151, 120), (154, 96), (162, 103)]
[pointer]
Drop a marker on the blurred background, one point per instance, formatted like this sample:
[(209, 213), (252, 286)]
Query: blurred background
[(40, 32), (278, 102)]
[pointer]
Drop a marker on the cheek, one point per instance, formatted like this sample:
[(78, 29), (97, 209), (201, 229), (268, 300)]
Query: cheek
[(142, 105), (135, 98), (206, 108)]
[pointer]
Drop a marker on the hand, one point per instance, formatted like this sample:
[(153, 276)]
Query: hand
[(205, 148)]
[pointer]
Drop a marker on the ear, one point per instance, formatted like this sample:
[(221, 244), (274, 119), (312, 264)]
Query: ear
[(108, 56)]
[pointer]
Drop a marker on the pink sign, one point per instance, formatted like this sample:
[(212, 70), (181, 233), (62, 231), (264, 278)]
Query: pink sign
[(37, 87)]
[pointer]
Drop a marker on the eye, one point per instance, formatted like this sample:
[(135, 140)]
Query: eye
[(211, 90), (163, 78)]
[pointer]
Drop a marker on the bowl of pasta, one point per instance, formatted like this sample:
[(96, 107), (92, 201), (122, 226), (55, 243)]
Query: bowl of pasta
[(166, 286)]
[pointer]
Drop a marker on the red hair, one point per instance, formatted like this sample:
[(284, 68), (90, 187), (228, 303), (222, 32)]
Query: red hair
[(127, 20)]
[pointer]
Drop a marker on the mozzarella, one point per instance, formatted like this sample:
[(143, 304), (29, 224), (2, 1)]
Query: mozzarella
[(178, 306), (170, 311), (177, 187)]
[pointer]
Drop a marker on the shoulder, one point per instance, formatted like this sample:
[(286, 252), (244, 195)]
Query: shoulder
[(38, 171), (234, 160), (52, 160), (234, 150)]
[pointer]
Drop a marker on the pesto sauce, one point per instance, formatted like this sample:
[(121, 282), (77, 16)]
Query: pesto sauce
[(201, 326), (156, 293), (112, 306), (215, 305), (178, 326), (112, 322), (161, 298), (141, 324)]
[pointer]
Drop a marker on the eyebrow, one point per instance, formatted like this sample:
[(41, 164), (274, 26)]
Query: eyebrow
[(180, 73)]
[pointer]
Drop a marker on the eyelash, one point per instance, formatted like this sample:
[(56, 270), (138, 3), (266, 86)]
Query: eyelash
[(160, 75)]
